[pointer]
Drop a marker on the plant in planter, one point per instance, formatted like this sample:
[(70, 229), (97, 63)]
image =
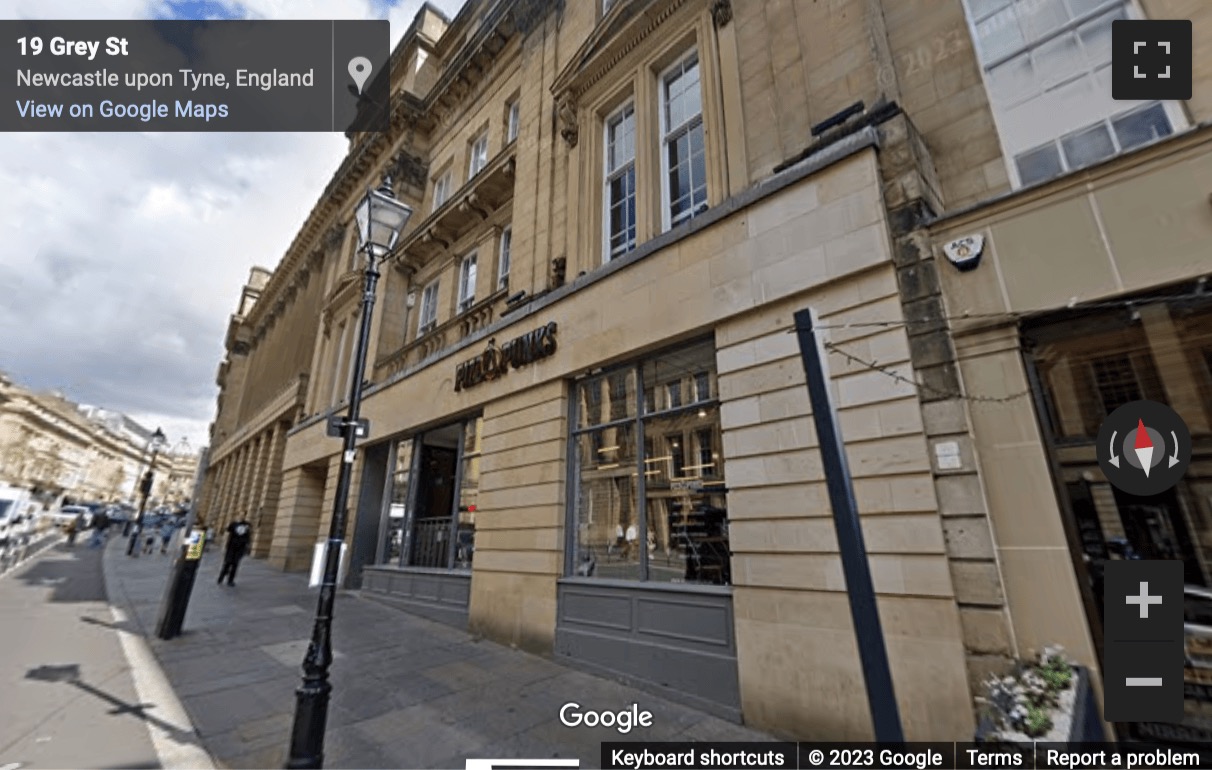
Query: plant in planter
[(1034, 702)]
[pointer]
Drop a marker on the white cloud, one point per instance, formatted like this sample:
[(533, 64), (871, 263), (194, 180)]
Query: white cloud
[(124, 253)]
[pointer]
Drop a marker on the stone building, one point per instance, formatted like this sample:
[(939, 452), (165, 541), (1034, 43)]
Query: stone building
[(58, 449), (262, 382), (590, 432)]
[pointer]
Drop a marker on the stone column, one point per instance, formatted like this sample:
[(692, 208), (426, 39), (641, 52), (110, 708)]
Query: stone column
[(298, 518), (270, 492), (911, 197)]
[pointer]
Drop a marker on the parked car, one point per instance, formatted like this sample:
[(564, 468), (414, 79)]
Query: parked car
[(69, 513)]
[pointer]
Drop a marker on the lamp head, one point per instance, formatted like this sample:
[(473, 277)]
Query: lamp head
[(380, 219)]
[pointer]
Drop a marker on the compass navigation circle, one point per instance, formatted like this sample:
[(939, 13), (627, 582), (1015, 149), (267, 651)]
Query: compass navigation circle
[(1144, 448)]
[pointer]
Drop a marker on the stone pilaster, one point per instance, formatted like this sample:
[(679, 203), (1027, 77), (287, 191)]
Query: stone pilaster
[(911, 197)]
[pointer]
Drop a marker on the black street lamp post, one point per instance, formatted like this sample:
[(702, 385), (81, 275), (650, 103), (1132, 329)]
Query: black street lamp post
[(381, 219), (145, 485)]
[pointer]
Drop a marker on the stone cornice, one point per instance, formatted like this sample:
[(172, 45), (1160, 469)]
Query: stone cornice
[(508, 17)]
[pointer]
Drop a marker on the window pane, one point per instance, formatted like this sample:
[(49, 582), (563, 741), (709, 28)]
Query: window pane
[(1142, 126), (1013, 81), (693, 98), (606, 398), (503, 263), (1088, 146), (1096, 37), (999, 35), (982, 8), (1058, 60), (698, 170), (1039, 17), (1038, 164), (671, 380), (606, 514), (686, 509), (1079, 7), (397, 516), (469, 493), (621, 215)]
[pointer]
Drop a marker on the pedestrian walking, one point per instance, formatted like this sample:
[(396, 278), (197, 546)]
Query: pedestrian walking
[(73, 529), (166, 534), (100, 530), (239, 537)]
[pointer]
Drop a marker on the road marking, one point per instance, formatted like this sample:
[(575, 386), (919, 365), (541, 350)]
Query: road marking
[(151, 686)]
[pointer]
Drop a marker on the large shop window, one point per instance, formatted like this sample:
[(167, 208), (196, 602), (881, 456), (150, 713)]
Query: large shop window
[(648, 465), (1085, 365), (433, 502)]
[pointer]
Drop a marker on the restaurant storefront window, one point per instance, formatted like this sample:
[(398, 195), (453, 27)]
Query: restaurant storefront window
[(393, 545), (649, 499), (1086, 365), (435, 485)]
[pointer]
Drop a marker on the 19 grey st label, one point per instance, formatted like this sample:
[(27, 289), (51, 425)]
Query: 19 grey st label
[(193, 75)]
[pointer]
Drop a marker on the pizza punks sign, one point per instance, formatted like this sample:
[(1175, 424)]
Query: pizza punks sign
[(496, 362)]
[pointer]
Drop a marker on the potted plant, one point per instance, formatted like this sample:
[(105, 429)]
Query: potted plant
[(1048, 699)]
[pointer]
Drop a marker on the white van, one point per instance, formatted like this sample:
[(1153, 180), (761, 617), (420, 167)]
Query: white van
[(69, 513), (15, 509)]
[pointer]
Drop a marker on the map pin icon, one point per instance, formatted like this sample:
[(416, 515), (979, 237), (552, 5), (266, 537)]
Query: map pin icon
[(359, 70)]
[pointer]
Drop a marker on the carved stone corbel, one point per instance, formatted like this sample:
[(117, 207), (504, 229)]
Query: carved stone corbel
[(404, 268), (433, 236), (566, 111), (472, 203), (721, 12)]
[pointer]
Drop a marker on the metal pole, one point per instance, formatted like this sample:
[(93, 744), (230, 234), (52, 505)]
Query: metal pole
[(311, 699), (145, 488), (881, 697)]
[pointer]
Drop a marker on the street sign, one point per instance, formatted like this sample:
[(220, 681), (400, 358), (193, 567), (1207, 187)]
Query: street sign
[(337, 423), (194, 544)]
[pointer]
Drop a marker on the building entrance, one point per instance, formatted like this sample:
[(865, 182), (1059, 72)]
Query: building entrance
[(428, 520), (435, 496)]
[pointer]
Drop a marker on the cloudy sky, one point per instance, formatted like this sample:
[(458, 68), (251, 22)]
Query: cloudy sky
[(124, 253)]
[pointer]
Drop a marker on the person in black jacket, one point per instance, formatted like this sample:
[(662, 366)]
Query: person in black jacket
[(239, 537)]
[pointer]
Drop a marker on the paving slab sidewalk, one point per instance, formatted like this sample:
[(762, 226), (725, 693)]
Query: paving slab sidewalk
[(407, 692)]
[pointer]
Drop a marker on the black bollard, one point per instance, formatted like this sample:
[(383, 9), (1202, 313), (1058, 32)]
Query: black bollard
[(180, 587)]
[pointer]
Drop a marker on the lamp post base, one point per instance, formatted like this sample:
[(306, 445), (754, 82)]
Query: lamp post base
[(311, 718)]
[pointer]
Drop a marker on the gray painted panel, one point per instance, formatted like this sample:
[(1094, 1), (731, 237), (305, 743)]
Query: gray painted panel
[(600, 610), (693, 622), (434, 594), (679, 643)]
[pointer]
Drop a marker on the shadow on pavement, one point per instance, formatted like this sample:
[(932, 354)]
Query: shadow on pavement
[(129, 628), (70, 674), (71, 583)]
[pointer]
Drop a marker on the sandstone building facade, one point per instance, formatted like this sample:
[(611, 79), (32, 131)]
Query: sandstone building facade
[(60, 450), (590, 431)]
